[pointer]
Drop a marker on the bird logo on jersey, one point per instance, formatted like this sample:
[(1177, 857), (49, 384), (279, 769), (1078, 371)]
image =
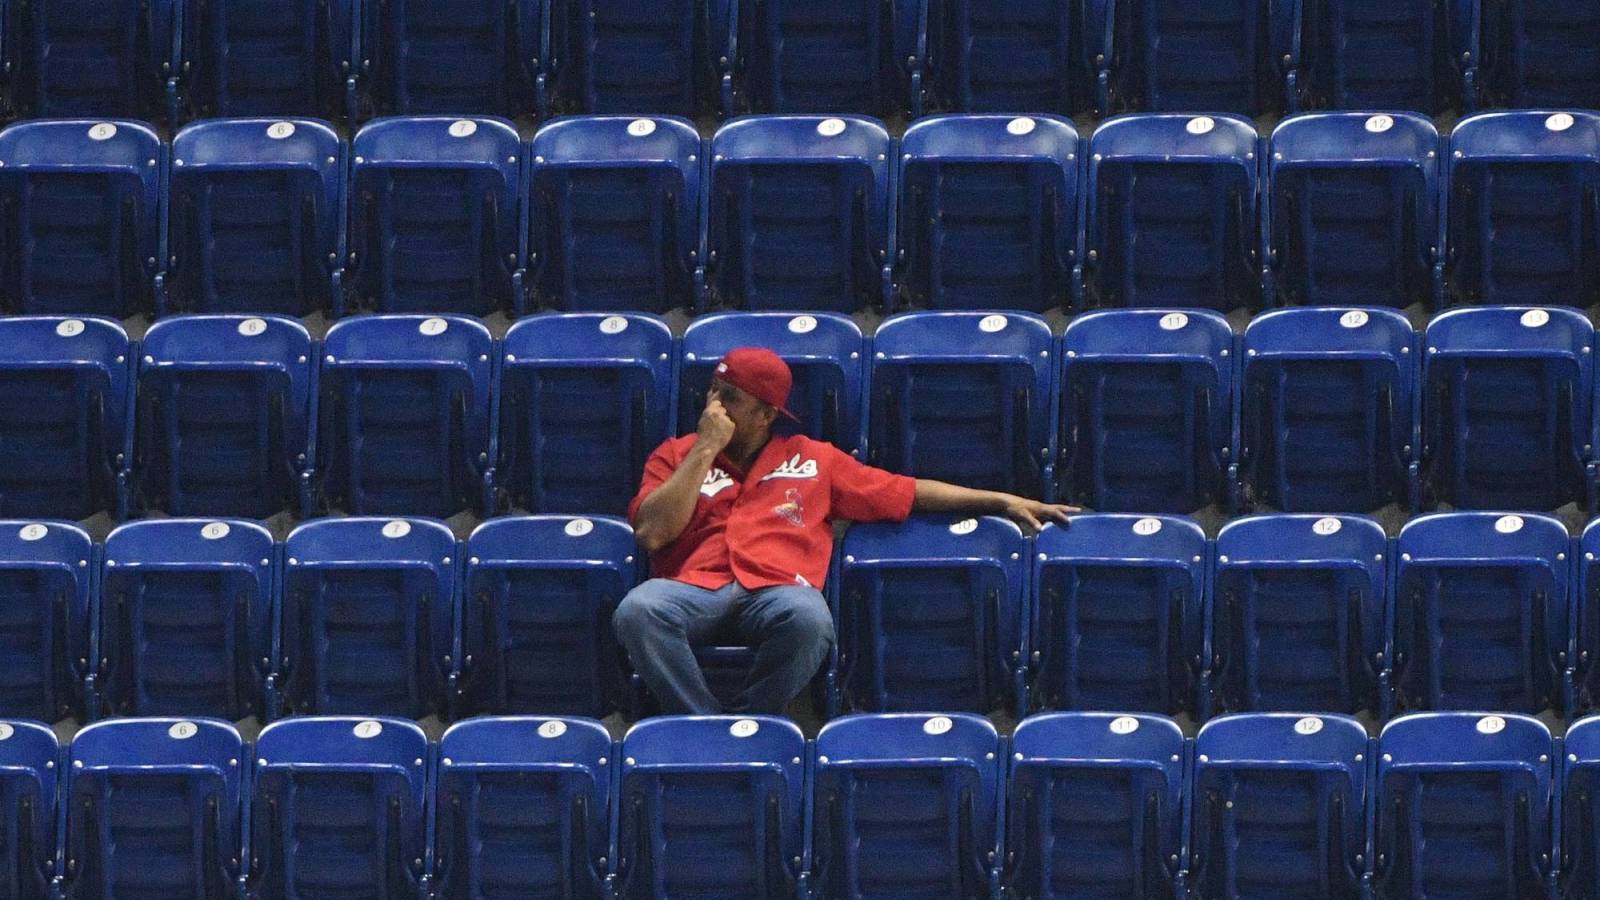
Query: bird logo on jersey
[(790, 509)]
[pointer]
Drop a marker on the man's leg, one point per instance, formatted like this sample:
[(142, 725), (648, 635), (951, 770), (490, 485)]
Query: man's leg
[(792, 631), (656, 623)]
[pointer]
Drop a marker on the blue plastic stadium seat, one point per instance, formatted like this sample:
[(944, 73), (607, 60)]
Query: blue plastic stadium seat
[(1585, 597), (1464, 806), (536, 613), (1005, 57), (46, 578), (80, 214), (1380, 54), (368, 614), (1580, 813), (634, 56), (224, 415), (93, 57), (1298, 607), (711, 806), (804, 57), (291, 57), (905, 806), (66, 416), (1095, 806), (1354, 207), (434, 214), (257, 207), (153, 809), (1542, 53), (522, 808), (405, 412), (824, 352), (186, 618), (933, 615), (799, 213), (1507, 406), (1118, 614), (1522, 227), (584, 399), (451, 57), (1327, 418), (989, 212), (964, 397), (1480, 618), (1279, 806), (1184, 55), (615, 214), (339, 809), (29, 765), (1172, 212), (1146, 410)]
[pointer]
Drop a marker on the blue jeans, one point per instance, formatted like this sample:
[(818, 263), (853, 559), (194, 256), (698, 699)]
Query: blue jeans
[(789, 626)]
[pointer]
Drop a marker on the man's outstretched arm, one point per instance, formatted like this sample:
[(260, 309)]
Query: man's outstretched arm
[(1030, 515)]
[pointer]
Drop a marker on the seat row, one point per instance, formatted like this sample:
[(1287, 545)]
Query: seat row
[(1072, 804)]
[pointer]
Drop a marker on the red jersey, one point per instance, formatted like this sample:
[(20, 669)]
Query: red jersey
[(771, 525)]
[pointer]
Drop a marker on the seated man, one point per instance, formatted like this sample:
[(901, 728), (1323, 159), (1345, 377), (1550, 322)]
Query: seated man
[(738, 524)]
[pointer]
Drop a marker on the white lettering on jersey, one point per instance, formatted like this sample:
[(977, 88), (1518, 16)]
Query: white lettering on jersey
[(716, 481), (793, 468)]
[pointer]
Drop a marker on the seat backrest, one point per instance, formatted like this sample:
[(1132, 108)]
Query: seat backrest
[(1146, 414), (406, 412), (1279, 806), (1464, 806), (1172, 211), (29, 765), (905, 803), (80, 204), (1118, 613), (964, 397), (932, 614), (339, 805), (1480, 618), (711, 804), (435, 214), (638, 56), (1507, 406), (286, 58), (225, 411), (368, 614), (46, 585), (615, 213), (66, 416), (1377, 54), (1585, 599), (92, 57), (584, 399), (1005, 57), (451, 56), (1580, 868), (153, 807), (1354, 209), (1541, 53), (1173, 55), (1095, 805), (1327, 417), (1522, 223), (799, 212), (802, 57), (989, 211)]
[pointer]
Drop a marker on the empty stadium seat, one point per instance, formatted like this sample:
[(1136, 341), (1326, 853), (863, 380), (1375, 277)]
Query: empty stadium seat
[(262, 59), (536, 612), (186, 616), (989, 212), (1118, 614), (368, 615), (584, 399), (1095, 806), (933, 615), (1380, 54), (1354, 207), (1279, 806), (1507, 407), (905, 805), (224, 416), (1480, 617), (799, 213), (452, 57), (1579, 813), (635, 56), (66, 416), (153, 809), (435, 207), (824, 353), (711, 806), (256, 218), (1146, 411), (1327, 418), (1521, 226), (1464, 806), (80, 210), (964, 397), (339, 808), (46, 595), (1005, 57), (1299, 605), (801, 57), (615, 214), (405, 413), (1175, 55), (1541, 53), (1172, 212), (29, 760), (1585, 596), (522, 808), (94, 57)]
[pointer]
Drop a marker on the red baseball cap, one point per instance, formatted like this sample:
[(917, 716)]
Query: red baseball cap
[(760, 373)]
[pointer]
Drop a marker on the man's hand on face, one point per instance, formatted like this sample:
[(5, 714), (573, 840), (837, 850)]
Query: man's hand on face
[(716, 428)]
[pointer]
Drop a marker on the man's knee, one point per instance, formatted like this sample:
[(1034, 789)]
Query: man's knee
[(802, 615), (644, 609)]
